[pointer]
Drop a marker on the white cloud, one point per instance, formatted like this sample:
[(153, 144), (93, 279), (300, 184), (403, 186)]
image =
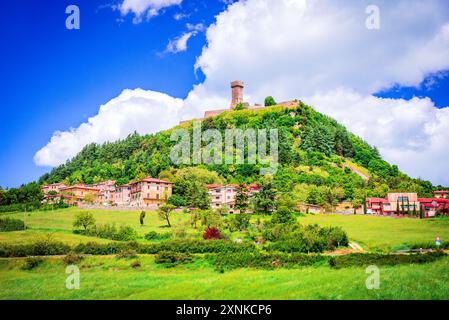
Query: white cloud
[(410, 133), (180, 16), (145, 8), (133, 110), (179, 44), (318, 51)]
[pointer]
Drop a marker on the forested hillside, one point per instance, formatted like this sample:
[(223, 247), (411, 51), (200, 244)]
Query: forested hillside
[(320, 161)]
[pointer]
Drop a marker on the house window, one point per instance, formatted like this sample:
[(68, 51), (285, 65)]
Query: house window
[(157, 196), (403, 199), (217, 198)]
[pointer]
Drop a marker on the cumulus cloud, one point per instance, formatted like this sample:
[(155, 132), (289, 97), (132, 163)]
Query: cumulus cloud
[(145, 8), (410, 133), (133, 110), (318, 51)]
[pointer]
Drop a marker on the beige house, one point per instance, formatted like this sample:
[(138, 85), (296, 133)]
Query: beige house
[(123, 195), (107, 191), (150, 192), (56, 187), (79, 193), (224, 195)]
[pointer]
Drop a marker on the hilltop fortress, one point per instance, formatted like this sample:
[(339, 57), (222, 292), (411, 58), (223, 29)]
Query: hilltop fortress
[(237, 100)]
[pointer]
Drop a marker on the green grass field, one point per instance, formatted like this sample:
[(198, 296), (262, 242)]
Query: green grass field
[(105, 277), (110, 278)]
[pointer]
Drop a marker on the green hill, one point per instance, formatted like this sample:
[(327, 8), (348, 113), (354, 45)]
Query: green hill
[(320, 161)]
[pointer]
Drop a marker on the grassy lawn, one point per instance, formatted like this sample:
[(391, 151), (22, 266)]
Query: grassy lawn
[(110, 278), (105, 277), (372, 232)]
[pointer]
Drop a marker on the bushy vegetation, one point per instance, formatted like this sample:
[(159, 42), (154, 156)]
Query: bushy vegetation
[(153, 235), (72, 258), (111, 232), (31, 263), (8, 224), (171, 259), (264, 260), (293, 237), (44, 248), (211, 234), (367, 259), (127, 254)]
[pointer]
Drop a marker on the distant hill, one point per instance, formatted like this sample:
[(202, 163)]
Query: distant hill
[(316, 153)]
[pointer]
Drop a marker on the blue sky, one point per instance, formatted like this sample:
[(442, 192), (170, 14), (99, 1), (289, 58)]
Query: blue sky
[(54, 79)]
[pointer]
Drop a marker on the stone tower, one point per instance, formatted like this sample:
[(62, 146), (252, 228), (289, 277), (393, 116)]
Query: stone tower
[(237, 93)]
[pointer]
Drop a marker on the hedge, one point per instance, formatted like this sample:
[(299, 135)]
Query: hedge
[(43, 248), (264, 260), (362, 259), (8, 224)]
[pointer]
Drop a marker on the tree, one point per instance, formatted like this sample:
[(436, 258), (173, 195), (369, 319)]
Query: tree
[(265, 199), (142, 217), (165, 211), (195, 216), (177, 201), (241, 199), (84, 219), (240, 222), (421, 211), (223, 210), (269, 101), (52, 197), (318, 138), (211, 218), (283, 215)]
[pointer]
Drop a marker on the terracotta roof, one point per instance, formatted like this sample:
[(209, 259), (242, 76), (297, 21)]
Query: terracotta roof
[(150, 179), (377, 200), (430, 200), (80, 186), (213, 186), (441, 191)]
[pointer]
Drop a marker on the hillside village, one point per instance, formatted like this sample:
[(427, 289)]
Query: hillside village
[(150, 193)]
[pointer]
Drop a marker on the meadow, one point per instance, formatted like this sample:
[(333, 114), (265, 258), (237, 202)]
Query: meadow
[(106, 277)]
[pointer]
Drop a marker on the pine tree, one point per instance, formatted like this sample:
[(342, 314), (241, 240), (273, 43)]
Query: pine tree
[(265, 199), (241, 199)]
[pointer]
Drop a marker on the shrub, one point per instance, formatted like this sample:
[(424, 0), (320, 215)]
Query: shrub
[(362, 259), (72, 258), (110, 231), (93, 248), (283, 215), (153, 235), (211, 234), (135, 264), (127, 254), (311, 238), (264, 260), (8, 224), (171, 259), (32, 262)]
